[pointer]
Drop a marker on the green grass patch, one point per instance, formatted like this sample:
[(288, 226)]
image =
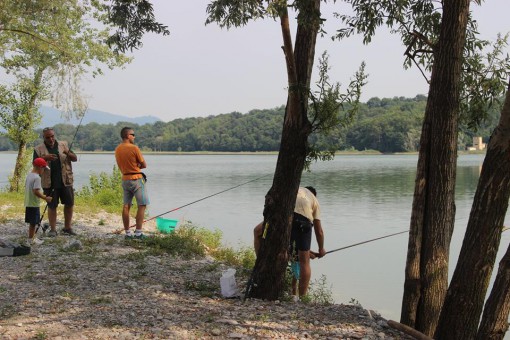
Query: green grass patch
[(188, 241), (244, 257), (101, 300)]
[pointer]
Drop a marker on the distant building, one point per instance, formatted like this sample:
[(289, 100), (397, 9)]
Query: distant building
[(478, 144)]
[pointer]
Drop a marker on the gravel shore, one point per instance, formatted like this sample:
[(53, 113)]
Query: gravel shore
[(98, 286)]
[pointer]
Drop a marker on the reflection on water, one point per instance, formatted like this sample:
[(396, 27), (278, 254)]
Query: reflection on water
[(362, 197)]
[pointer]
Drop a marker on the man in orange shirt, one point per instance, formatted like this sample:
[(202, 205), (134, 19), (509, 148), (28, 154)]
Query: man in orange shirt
[(130, 162)]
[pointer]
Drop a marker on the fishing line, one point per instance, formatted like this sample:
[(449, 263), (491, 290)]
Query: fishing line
[(203, 198), (359, 243)]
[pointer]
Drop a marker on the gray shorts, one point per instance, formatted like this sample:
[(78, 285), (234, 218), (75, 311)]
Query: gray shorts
[(135, 188)]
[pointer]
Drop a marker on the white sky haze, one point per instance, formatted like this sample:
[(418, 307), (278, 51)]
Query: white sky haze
[(203, 70)]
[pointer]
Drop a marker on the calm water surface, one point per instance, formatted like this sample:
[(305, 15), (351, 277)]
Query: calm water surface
[(361, 197)]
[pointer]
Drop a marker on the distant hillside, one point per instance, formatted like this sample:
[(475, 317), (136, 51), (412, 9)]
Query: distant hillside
[(383, 124), (52, 116)]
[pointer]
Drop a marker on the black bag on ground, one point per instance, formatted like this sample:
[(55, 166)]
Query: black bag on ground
[(8, 248)]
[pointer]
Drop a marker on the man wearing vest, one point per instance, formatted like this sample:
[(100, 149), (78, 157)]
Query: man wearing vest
[(57, 182)]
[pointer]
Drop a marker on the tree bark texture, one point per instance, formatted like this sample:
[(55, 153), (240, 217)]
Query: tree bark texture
[(19, 168), (464, 301), (433, 211), (494, 323), (269, 271)]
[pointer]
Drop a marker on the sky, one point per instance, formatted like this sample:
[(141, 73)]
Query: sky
[(201, 70)]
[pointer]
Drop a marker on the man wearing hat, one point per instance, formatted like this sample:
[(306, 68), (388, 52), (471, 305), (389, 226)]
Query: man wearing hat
[(33, 192)]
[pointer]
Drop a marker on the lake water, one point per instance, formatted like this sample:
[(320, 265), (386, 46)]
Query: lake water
[(361, 197)]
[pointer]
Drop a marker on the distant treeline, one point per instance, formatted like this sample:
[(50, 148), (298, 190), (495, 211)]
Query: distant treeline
[(386, 125)]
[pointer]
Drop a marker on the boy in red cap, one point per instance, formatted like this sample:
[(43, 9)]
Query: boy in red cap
[(33, 191)]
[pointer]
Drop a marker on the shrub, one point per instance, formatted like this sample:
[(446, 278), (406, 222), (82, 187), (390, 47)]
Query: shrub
[(104, 190)]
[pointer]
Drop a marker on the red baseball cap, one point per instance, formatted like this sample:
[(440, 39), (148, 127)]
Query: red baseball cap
[(41, 163)]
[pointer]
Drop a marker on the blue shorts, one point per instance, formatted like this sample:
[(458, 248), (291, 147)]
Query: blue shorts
[(135, 188), (32, 215)]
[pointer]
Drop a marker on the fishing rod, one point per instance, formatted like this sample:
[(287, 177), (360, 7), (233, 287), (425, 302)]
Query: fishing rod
[(201, 199), (359, 243), (77, 128)]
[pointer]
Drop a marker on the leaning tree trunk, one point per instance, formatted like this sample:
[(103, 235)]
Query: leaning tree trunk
[(269, 272), (433, 211), (464, 302), (494, 323)]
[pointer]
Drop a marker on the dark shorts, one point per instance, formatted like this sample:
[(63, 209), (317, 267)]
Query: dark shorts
[(64, 194), (32, 215), (301, 234)]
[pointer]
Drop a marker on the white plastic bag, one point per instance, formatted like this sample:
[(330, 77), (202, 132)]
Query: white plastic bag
[(228, 283)]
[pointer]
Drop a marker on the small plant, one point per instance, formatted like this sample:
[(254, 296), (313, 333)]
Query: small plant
[(319, 292), (66, 280), (264, 317), (204, 288), (306, 299), (101, 300), (101, 222), (136, 256), (42, 335), (244, 257), (209, 268), (7, 311), (354, 302), (68, 295), (29, 276)]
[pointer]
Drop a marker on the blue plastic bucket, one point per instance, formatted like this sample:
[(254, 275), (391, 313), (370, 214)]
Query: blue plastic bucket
[(165, 225)]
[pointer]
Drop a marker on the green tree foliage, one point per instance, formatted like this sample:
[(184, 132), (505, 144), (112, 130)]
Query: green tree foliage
[(47, 46), (417, 22), (132, 18), (382, 124)]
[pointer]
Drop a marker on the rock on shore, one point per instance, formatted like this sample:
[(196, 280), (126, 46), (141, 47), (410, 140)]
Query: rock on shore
[(103, 288)]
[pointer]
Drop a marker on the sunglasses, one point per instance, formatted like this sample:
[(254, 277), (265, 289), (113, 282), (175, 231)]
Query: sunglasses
[(132, 134)]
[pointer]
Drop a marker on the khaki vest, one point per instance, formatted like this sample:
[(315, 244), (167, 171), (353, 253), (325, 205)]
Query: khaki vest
[(65, 162)]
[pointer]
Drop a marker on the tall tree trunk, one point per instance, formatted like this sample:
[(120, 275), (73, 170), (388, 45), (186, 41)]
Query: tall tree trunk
[(433, 212), (27, 119), (464, 302), (269, 271), (19, 168)]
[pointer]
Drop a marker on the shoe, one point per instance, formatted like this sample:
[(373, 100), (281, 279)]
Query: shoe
[(36, 241), (128, 237), (45, 227), (52, 233), (70, 232), (139, 237)]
